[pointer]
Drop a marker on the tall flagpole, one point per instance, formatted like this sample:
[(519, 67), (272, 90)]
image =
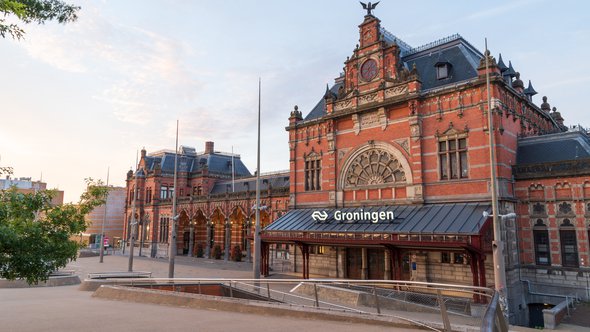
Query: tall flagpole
[(233, 177), (498, 245), (133, 219), (104, 218), (257, 251), (172, 246)]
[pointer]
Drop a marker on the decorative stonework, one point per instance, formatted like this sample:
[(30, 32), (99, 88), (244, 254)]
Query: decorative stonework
[(374, 167), (412, 105), (565, 209), (404, 144), (396, 91), (538, 209), (369, 119), (369, 98), (415, 128), (341, 105), (382, 115)]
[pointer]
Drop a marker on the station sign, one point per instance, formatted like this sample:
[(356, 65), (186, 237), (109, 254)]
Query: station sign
[(352, 216)]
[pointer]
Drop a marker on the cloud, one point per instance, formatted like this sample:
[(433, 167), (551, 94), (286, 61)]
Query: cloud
[(140, 71)]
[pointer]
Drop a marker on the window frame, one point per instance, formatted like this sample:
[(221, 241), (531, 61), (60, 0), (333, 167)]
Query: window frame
[(453, 159), (163, 192), (443, 70), (313, 173), (567, 237), (163, 229), (440, 75), (541, 234)]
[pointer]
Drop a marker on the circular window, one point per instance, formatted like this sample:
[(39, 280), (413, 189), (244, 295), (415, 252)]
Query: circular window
[(369, 70)]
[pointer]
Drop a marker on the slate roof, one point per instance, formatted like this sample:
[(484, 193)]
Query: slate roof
[(565, 146), (276, 181), (217, 163), (463, 58), (320, 108), (456, 218)]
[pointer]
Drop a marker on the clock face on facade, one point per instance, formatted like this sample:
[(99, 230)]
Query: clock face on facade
[(369, 70)]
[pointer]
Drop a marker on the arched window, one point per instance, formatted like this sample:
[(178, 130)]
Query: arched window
[(542, 248), (569, 245), (313, 171), (374, 167), (163, 233)]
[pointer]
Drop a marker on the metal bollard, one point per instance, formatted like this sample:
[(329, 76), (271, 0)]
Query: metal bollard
[(315, 291), (376, 300), (443, 312)]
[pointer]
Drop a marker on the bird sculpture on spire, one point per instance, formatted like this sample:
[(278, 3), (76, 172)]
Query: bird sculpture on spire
[(369, 6)]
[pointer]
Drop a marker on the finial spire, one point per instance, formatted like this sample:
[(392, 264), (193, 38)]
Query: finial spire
[(369, 6)]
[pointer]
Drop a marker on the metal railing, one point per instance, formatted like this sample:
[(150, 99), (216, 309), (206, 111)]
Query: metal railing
[(494, 320), (432, 305)]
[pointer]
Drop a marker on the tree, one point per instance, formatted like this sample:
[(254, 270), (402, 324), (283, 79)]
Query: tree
[(34, 11), (35, 235)]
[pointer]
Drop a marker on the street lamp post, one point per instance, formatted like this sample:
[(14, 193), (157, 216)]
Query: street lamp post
[(191, 237), (257, 242), (226, 256), (498, 244), (133, 225), (248, 225), (104, 218), (172, 246), (141, 234), (208, 244)]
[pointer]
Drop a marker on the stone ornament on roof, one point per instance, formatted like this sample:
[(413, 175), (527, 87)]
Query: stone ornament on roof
[(369, 6), (545, 105), (491, 60), (518, 83)]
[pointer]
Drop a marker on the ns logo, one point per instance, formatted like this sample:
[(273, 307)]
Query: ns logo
[(319, 215)]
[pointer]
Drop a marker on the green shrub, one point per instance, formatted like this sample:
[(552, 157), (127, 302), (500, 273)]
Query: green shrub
[(236, 254), (217, 253), (200, 250)]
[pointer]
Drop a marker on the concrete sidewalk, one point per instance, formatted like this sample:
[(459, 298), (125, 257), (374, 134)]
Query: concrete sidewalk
[(184, 267)]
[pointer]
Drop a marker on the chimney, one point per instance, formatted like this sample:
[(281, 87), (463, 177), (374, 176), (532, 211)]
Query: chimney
[(209, 147)]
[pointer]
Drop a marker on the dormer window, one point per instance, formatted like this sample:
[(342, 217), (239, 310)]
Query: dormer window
[(443, 70)]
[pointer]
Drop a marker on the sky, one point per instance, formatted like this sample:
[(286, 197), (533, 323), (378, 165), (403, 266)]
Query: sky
[(81, 98)]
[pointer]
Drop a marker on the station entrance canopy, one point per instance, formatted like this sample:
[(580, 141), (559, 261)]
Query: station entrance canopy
[(459, 225)]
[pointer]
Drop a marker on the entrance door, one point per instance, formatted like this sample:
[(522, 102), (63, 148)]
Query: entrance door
[(405, 275), (376, 264), (354, 263), (536, 314)]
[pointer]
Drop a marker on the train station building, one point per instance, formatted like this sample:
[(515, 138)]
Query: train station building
[(389, 178)]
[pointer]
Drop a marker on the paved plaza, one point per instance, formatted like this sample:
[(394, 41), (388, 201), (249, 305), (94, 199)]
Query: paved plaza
[(66, 308)]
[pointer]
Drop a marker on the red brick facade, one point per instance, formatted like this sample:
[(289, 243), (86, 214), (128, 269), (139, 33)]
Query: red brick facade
[(212, 214)]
